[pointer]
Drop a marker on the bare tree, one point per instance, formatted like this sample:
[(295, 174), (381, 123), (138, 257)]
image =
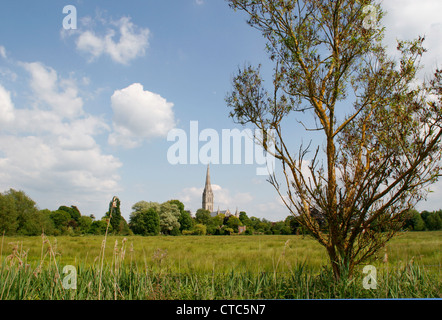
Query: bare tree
[(381, 126)]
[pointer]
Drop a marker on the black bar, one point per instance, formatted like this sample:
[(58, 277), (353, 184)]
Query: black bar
[(224, 309)]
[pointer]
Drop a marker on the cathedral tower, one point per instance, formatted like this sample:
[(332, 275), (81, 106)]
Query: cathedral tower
[(208, 194)]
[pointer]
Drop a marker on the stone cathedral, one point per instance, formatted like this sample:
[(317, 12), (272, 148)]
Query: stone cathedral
[(207, 203)]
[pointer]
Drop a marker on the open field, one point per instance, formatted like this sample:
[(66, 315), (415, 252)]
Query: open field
[(219, 253), (209, 267)]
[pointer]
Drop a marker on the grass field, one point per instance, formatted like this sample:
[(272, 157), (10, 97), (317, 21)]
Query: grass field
[(209, 267)]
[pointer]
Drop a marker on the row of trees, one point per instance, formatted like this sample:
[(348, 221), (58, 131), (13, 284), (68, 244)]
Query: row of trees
[(19, 215), (152, 218), (220, 224), (423, 221)]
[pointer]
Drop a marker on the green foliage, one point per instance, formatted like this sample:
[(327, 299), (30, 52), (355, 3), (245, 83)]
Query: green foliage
[(178, 203), (433, 220), (293, 224), (26, 212), (227, 230), (233, 223), (140, 205), (145, 222), (19, 215), (150, 218), (169, 215), (199, 229), (202, 216), (260, 226), (280, 227), (8, 215), (85, 223), (73, 211), (123, 228), (46, 223), (99, 227), (425, 220), (61, 219), (117, 221), (175, 231), (417, 223), (218, 220), (185, 220), (245, 220)]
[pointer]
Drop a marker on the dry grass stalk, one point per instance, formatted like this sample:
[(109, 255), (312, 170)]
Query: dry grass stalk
[(103, 248)]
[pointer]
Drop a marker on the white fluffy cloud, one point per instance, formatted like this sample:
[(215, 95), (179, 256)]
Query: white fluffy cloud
[(139, 114), (408, 19), (132, 42), (49, 147), (59, 95), (6, 106), (191, 198), (225, 200)]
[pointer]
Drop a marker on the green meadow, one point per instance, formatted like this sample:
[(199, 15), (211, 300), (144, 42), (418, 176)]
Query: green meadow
[(210, 267)]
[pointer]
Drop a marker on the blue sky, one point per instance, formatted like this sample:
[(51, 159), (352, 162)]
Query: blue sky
[(84, 113)]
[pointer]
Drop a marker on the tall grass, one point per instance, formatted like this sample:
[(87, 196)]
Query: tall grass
[(206, 268), (130, 284), (186, 253)]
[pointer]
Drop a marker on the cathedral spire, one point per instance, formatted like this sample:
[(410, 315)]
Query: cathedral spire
[(208, 185), (208, 194)]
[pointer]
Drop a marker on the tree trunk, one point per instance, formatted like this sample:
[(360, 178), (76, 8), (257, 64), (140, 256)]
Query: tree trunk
[(335, 262), (342, 264)]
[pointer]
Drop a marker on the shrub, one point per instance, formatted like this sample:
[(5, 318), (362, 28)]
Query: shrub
[(199, 229)]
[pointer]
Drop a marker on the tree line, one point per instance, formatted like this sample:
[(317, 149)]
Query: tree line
[(424, 221), (152, 218), (19, 215)]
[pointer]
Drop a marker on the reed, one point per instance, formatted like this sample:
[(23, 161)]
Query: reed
[(132, 284), (247, 268)]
